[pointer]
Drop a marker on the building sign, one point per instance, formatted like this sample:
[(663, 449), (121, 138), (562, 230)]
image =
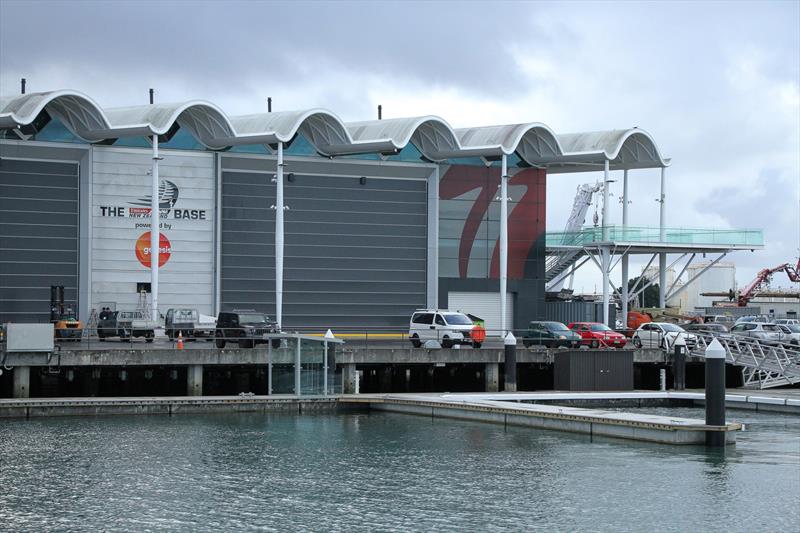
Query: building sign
[(143, 250), (121, 204), (168, 198)]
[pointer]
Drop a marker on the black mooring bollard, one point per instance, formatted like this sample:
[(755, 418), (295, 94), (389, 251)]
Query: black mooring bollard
[(715, 392), (679, 363), (510, 344)]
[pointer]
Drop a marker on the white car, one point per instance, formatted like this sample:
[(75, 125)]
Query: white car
[(787, 321), (446, 327), (791, 333), (661, 335)]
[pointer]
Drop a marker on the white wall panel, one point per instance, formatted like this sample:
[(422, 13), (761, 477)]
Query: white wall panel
[(120, 181), (485, 305)]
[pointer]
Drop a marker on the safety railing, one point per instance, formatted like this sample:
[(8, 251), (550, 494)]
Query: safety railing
[(764, 364), (353, 337), (653, 235)]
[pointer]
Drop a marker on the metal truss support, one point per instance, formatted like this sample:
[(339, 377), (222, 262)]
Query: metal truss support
[(653, 280), (570, 272), (691, 280)]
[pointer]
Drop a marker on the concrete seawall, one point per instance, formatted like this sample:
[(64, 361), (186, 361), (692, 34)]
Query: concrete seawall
[(50, 407)]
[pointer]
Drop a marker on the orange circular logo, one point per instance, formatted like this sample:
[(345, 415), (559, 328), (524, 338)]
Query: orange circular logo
[(143, 249)]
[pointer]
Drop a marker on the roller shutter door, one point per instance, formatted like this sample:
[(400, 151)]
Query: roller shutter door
[(354, 256), (485, 305), (38, 237)]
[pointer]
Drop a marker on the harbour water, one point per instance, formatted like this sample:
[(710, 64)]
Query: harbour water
[(372, 472)]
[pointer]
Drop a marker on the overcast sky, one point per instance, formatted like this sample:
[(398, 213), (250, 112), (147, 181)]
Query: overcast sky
[(716, 83)]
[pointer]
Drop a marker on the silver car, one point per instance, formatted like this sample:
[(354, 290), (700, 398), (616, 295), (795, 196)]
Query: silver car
[(767, 333), (791, 333)]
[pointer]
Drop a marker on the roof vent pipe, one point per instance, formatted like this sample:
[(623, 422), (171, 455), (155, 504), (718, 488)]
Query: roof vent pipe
[(22, 85), (380, 112), (269, 104), (152, 93)]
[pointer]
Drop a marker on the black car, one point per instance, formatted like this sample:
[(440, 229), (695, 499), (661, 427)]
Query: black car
[(551, 335), (247, 328)]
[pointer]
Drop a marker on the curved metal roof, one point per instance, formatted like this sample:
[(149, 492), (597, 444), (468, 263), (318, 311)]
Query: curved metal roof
[(535, 143), (322, 128), (432, 136), (532, 142), (75, 110), (624, 149)]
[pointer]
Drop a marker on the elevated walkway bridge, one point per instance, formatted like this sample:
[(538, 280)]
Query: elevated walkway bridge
[(607, 246)]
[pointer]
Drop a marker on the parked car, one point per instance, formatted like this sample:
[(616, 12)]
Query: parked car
[(125, 325), (753, 318), (725, 320), (767, 333), (550, 334), (787, 321), (247, 328), (449, 328), (713, 328), (662, 335), (595, 334), (791, 333), (187, 322)]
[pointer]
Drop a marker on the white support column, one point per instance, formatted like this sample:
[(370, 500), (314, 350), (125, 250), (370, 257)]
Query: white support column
[(662, 217), (624, 291), (662, 257), (503, 243), (155, 220), (605, 263), (605, 201), (625, 198), (625, 257), (433, 239), (279, 208), (298, 367), (662, 280)]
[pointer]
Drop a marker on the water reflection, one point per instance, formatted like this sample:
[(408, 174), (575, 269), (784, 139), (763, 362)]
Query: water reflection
[(364, 472)]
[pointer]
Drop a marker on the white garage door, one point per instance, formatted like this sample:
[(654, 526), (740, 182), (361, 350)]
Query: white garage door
[(485, 305)]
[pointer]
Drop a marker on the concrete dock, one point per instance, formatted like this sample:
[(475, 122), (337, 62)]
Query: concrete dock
[(558, 411), (593, 422), (201, 357)]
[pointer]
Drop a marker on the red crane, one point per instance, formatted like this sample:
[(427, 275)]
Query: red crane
[(749, 292)]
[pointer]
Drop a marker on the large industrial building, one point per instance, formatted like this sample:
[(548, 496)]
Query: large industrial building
[(380, 217)]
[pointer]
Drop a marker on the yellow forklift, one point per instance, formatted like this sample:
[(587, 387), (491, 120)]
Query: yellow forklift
[(63, 317)]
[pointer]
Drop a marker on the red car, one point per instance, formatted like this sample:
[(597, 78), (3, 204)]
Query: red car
[(596, 334)]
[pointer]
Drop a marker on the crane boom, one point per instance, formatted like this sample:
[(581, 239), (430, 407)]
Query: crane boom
[(753, 288), (583, 199)]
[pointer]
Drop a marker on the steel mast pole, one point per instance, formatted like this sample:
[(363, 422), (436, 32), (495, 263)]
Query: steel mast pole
[(279, 208), (662, 257), (604, 251), (625, 257), (155, 220), (503, 242), (605, 200)]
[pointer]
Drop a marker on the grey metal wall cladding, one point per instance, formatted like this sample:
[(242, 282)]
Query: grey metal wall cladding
[(355, 255), (567, 312), (38, 237), (592, 371)]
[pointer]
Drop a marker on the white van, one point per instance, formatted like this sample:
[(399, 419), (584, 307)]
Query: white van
[(446, 327)]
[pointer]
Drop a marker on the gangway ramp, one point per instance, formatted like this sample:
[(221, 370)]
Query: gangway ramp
[(764, 366)]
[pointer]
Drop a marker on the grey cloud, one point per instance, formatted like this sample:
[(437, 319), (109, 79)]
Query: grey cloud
[(222, 43)]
